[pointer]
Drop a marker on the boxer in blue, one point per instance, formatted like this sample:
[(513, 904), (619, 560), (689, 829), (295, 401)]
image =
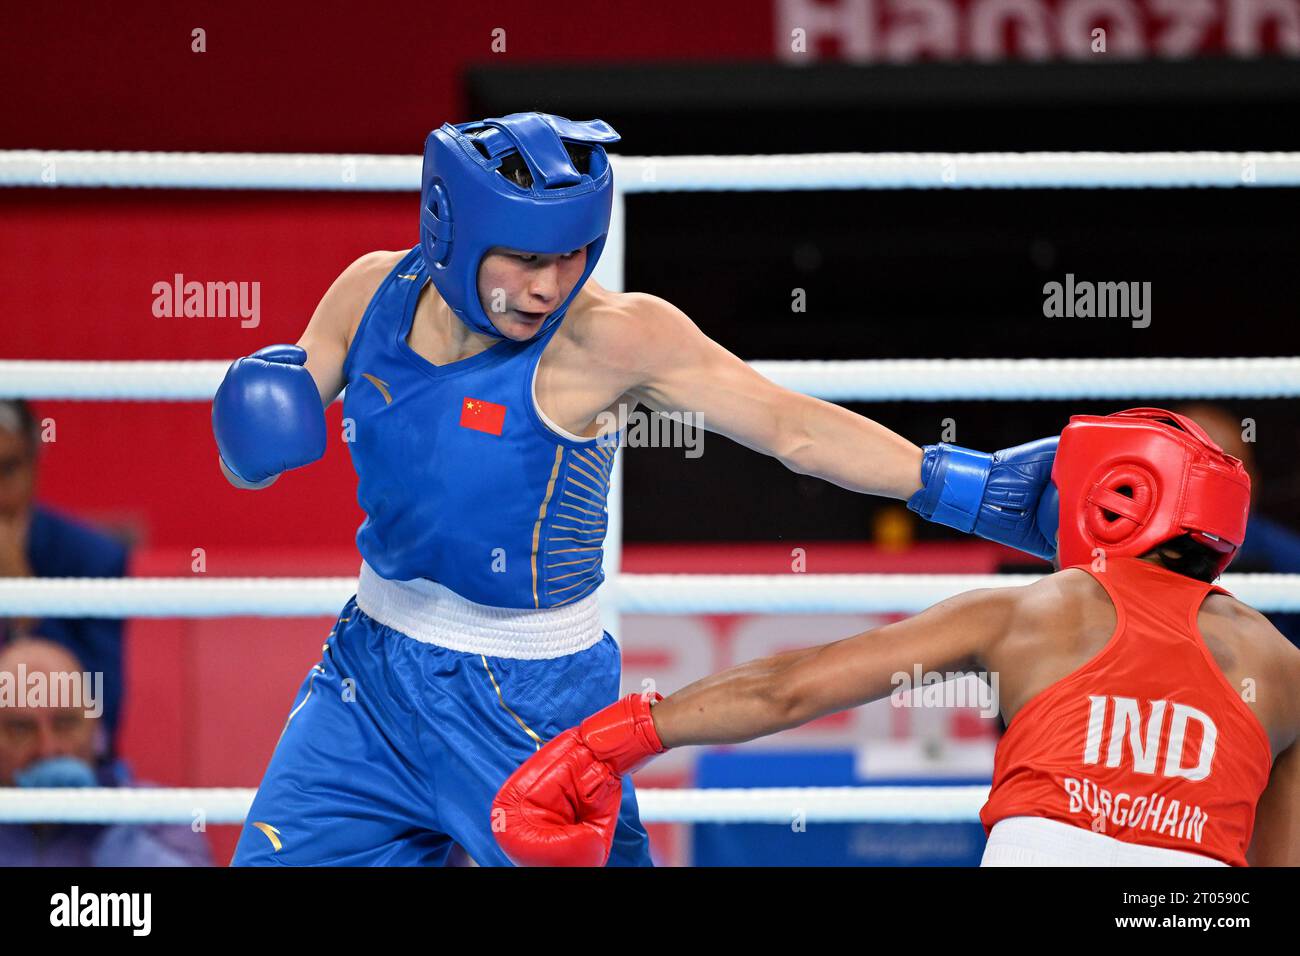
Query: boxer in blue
[(479, 366)]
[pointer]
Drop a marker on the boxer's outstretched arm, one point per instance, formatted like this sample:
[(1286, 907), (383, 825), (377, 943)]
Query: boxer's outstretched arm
[(674, 367), (652, 352), (561, 805), (776, 693)]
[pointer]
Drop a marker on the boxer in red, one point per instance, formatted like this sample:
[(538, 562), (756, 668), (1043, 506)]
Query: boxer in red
[(1152, 718)]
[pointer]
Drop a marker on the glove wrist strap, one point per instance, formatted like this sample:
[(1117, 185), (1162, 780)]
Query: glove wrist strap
[(623, 735), (954, 485)]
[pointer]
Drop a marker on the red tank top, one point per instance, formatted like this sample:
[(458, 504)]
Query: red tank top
[(1147, 742)]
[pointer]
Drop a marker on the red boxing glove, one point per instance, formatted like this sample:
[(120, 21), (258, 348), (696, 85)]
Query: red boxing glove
[(560, 808), (623, 735)]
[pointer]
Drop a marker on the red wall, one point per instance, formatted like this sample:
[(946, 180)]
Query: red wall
[(85, 265), (346, 77), (330, 77), (206, 698)]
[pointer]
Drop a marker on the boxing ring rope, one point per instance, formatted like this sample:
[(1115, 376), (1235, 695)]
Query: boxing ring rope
[(892, 380), (641, 174), (658, 594), (958, 804), (882, 380)]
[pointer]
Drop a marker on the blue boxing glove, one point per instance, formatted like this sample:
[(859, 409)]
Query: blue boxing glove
[(995, 496), (1049, 514), (267, 416)]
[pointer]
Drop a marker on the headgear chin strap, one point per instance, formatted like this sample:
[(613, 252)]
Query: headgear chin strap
[(1133, 480), (467, 206)]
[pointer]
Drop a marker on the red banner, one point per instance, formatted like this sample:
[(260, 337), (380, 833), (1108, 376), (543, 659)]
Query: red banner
[(902, 31), (247, 75)]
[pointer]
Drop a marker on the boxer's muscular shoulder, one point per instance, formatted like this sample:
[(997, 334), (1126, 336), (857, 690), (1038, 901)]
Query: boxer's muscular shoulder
[(1069, 609), (1245, 644), (1054, 624), (623, 331), (1234, 631), (345, 303)]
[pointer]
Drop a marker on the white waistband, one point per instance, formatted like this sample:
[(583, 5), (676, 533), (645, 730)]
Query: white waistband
[(434, 614), (1038, 841)]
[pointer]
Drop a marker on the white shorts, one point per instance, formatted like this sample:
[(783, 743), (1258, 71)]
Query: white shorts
[(1037, 841)]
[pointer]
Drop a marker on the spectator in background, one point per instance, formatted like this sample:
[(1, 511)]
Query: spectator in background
[(1270, 547), (38, 542), (51, 742)]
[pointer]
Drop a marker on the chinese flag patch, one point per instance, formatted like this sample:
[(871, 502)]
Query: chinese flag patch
[(482, 416)]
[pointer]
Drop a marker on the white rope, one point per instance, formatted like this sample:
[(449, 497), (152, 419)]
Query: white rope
[(775, 805), (1040, 170), (795, 593), (840, 381), (197, 597), (79, 167), (865, 593), (814, 805), (203, 597), (124, 805), (112, 381), (1084, 170), (1038, 379)]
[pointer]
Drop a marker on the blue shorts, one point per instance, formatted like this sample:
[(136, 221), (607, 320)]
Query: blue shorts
[(395, 749)]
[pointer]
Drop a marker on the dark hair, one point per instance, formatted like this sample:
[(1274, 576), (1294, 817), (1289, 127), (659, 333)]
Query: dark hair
[(516, 170), (28, 427), (1190, 559)]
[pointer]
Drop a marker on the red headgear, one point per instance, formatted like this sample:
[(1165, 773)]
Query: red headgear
[(1138, 478)]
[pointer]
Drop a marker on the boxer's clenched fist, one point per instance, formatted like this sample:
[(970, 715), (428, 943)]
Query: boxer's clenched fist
[(560, 808)]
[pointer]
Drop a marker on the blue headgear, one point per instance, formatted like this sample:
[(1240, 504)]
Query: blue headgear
[(467, 206)]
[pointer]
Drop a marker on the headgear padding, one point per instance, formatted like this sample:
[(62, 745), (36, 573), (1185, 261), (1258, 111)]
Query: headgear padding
[(467, 206), (1133, 480)]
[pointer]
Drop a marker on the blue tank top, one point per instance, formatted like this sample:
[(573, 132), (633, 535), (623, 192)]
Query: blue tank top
[(461, 480)]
